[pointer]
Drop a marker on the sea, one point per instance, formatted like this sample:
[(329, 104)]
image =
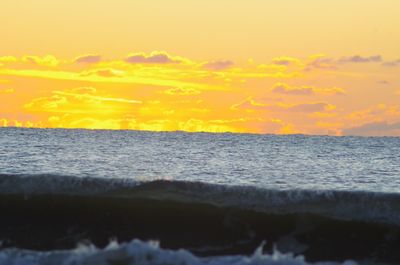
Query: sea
[(82, 197)]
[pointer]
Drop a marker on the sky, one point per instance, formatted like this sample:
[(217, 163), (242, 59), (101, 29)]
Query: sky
[(255, 66)]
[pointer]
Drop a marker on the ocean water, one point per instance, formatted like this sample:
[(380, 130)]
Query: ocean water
[(106, 197)]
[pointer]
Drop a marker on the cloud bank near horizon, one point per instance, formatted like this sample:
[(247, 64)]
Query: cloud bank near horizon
[(349, 95)]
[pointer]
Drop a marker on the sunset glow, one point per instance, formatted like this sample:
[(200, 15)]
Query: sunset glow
[(312, 67)]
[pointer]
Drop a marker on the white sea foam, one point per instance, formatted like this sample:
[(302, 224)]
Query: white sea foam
[(138, 252)]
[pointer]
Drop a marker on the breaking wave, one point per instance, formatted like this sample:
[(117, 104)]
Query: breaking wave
[(345, 205), (138, 252), (215, 224)]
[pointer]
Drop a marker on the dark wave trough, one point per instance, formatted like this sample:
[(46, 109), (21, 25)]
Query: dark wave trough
[(48, 212)]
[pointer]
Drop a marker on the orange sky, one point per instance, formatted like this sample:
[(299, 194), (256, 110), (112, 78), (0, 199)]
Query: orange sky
[(307, 66)]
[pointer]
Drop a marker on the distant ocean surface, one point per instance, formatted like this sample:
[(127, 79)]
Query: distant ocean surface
[(98, 197)]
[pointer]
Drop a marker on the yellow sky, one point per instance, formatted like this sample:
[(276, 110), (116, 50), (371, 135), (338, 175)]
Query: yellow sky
[(305, 66)]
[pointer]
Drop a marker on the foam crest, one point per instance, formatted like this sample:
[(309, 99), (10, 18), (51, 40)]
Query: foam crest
[(138, 252), (60, 184)]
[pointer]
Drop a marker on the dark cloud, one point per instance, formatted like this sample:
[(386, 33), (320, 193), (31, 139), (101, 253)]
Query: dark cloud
[(326, 63), (182, 91), (374, 128), (321, 63), (84, 90), (301, 108), (90, 58), (282, 88), (106, 73), (392, 63), (153, 58), (285, 89), (383, 82), (218, 65), (361, 59), (309, 107), (285, 60), (250, 103), (103, 72), (281, 62), (47, 60)]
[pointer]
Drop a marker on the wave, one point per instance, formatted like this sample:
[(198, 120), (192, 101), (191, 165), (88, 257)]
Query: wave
[(149, 253), (340, 204), (52, 213)]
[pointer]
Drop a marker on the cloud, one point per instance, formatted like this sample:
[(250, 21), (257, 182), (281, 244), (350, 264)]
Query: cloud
[(321, 62), (383, 82), (8, 59), (88, 58), (196, 125), (374, 113), (218, 65), (6, 90), (374, 129), (148, 77), (285, 60), (84, 90), (182, 91), (90, 97), (361, 59), (47, 103), (250, 104), (48, 60), (310, 107), (155, 57), (393, 63), (78, 100), (106, 72), (301, 108), (93, 123), (282, 88), (3, 122)]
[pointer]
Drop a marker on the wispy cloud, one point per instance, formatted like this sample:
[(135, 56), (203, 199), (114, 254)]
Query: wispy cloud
[(48, 60), (282, 88), (361, 59), (6, 90), (286, 60), (383, 82), (159, 91), (218, 65), (7, 59), (145, 79), (310, 107), (182, 91), (251, 104), (374, 128), (104, 72), (88, 58), (156, 57), (393, 63), (321, 62), (97, 98), (328, 63)]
